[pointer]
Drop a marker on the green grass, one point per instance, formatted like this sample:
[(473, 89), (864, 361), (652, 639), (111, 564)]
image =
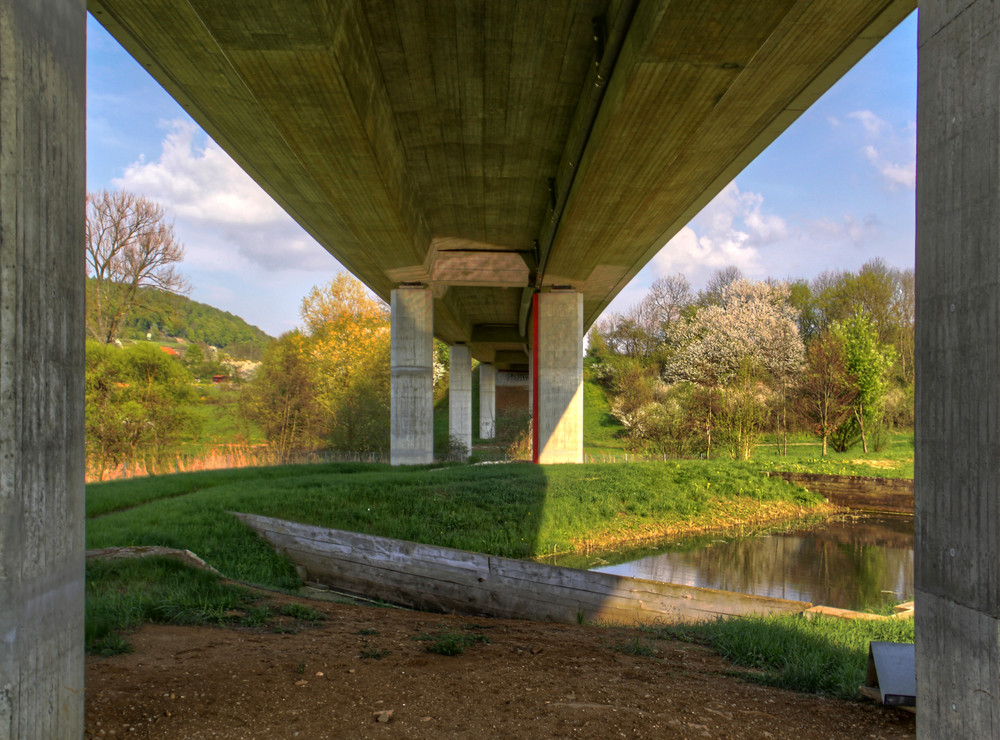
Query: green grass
[(816, 656), (600, 429), (123, 594), (894, 460), (450, 642), (512, 510)]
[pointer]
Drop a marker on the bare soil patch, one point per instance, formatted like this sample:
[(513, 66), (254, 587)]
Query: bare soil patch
[(530, 680)]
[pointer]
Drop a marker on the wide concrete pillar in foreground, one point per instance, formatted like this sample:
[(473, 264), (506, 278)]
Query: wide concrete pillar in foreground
[(557, 380), (958, 371), (42, 181), (460, 396), (487, 401), (412, 427)]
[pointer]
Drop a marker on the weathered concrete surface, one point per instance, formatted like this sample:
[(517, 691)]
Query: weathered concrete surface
[(489, 149), (460, 396), (487, 401), (957, 483), (42, 171), (412, 405), (558, 354)]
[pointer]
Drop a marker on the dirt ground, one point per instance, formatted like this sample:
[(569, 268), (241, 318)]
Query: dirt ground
[(361, 674)]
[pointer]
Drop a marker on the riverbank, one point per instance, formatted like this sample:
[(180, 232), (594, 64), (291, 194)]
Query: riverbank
[(513, 510)]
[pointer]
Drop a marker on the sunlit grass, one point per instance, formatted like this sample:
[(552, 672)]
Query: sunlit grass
[(804, 455), (817, 656), (514, 510)]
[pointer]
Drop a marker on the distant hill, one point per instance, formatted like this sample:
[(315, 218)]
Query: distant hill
[(168, 315)]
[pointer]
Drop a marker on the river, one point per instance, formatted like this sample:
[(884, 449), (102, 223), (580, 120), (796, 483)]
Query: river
[(851, 562)]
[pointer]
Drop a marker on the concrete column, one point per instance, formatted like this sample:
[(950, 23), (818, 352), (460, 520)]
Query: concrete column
[(957, 482), (487, 401), (557, 359), (460, 396), (42, 182), (412, 435)]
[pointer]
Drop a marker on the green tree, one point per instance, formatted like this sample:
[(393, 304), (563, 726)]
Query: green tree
[(283, 398), (826, 393), (137, 406), (348, 345), (867, 362)]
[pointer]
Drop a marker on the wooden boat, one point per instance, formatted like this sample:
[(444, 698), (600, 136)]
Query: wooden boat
[(442, 579)]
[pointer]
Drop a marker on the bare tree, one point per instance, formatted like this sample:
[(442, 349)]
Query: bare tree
[(129, 247), (721, 279), (664, 306)]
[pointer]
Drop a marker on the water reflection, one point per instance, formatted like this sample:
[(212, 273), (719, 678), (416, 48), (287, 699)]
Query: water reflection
[(854, 562)]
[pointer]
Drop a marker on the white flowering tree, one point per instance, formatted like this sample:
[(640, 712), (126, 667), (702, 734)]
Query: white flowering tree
[(752, 328), (745, 344)]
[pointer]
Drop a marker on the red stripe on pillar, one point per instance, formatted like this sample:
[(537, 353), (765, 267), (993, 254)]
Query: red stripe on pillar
[(534, 379)]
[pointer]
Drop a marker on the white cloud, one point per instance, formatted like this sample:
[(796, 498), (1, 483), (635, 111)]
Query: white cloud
[(737, 229), (873, 125), (219, 209), (892, 153), (243, 253)]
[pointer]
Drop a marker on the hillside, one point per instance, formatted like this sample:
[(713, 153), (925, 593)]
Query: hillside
[(168, 315)]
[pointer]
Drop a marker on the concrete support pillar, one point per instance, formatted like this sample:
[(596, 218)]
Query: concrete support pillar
[(412, 435), (557, 359), (487, 401), (460, 396), (958, 371), (42, 185)]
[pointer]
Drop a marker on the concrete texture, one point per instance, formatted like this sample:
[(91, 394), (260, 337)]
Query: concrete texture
[(487, 401), (42, 171), (460, 396), (412, 427), (957, 476), (487, 150), (558, 354)]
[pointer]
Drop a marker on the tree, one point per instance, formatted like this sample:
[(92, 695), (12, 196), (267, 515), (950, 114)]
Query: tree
[(129, 247), (867, 362), (752, 324), (712, 295), (282, 398), (826, 391), (137, 405), (349, 346), (343, 300)]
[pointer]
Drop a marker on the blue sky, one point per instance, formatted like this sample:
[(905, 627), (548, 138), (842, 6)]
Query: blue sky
[(834, 191)]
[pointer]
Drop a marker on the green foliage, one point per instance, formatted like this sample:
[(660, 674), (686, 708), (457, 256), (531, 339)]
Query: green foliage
[(816, 656), (867, 363), (511, 510), (450, 642), (282, 399), (300, 611), (122, 594), (634, 645), (136, 405), (161, 314)]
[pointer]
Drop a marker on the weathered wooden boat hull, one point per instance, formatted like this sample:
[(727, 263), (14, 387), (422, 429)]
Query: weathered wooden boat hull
[(442, 579)]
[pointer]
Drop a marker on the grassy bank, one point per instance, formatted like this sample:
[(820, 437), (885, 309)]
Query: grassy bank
[(816, 656), (123, 594), (512, 510)]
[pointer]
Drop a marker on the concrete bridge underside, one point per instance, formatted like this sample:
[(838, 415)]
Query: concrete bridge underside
[(498, 171)]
